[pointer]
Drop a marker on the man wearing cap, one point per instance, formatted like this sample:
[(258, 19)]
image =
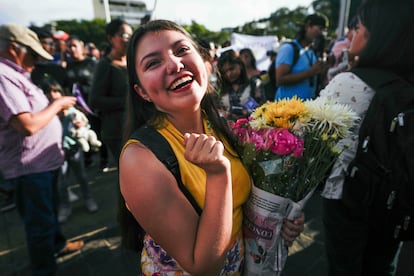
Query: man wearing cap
[(297, 66), (31, 146)]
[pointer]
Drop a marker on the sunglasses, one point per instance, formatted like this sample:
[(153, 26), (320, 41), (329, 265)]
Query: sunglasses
[(49, 43), (125, 36)]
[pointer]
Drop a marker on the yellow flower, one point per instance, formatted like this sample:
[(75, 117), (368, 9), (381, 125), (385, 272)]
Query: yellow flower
[(280, 114), (318, 123)]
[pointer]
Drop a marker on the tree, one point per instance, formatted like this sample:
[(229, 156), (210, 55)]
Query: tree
[(199, 31), (285, 22), (331, 9), (87, 30), (282, 23)]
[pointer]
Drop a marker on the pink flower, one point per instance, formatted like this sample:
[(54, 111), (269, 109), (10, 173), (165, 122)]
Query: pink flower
[(276, 140), (242, 135), (242, 130), (270, 138), (285, 142), (298, 152), (257, 140), (241, 123)]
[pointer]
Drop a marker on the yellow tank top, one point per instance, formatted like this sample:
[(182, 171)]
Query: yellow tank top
[(194, 178)]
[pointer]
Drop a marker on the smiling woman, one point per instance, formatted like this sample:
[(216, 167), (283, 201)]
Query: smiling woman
[(169, 91)]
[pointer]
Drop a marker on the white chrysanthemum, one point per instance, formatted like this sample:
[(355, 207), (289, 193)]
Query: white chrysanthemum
[(258, 123), (330, 118)]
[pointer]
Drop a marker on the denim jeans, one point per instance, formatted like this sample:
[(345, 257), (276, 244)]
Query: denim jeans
[(352, 248), (36, 198)]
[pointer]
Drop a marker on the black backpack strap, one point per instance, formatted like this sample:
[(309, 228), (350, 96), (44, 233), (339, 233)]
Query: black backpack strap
[(296, 51), (152, 139), (384, 83)]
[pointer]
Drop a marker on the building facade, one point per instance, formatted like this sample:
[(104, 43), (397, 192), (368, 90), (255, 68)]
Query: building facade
[(135, 12)]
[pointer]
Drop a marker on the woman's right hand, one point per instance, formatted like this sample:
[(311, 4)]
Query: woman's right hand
[(206, 152)]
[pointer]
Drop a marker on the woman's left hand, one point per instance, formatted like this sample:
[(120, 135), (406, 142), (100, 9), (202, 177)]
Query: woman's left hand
[(291, 229)]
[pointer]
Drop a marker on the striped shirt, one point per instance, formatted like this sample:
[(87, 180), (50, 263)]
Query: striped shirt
[(19, 154)]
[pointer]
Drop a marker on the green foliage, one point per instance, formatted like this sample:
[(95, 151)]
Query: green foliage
[(285, 22), (282, 23), (199, 31), (87, 30), (325, 7), (331, 9)]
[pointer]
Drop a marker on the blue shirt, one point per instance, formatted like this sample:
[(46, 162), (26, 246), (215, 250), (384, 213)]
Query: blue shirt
[(305, 89)]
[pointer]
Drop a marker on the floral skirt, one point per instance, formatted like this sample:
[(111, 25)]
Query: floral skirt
[(155, 261)]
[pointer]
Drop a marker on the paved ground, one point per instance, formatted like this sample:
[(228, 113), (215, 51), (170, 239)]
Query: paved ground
[(102, 254)]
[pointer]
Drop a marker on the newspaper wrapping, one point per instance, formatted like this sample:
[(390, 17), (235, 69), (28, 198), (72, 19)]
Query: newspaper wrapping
[(266, 252)]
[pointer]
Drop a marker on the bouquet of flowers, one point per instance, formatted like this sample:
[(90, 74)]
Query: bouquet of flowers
[(288, 147)]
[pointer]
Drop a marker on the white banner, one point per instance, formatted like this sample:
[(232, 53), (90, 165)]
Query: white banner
[(258, 44)]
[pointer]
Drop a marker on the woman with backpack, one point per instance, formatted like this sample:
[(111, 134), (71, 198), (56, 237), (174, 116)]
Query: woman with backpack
[(170, 92), (356, 242), (297, 65)]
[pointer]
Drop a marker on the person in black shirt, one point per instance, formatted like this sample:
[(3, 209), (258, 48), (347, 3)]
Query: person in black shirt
[(79, 71), (109, 89)]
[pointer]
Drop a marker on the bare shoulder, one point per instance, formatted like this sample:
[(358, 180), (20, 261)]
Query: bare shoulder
[(134, 153), (139, 164), (142, 175)]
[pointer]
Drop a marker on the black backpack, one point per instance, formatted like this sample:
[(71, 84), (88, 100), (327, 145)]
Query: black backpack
[(131, 232), (380, 180), (296, 52)]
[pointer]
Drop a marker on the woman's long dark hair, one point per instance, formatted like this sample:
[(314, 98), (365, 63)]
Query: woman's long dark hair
[(391, 37), (224, 83), (311, 20), (140, 112), (113, 27), (251, 55)]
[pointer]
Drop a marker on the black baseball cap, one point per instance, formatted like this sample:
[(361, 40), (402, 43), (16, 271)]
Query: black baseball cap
[(317, 19)]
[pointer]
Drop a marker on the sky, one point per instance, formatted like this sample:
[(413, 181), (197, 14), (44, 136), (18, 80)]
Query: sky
[(213, 14)]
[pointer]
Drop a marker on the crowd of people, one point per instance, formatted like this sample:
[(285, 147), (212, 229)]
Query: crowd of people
[(57, 119), (31, 147), (65, 101)]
